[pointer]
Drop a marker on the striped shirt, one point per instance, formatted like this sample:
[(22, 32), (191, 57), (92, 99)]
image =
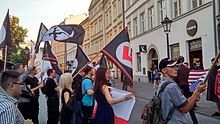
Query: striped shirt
[(9, 114)]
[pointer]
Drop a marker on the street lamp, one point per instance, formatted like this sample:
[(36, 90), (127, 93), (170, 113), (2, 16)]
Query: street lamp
[(166, 27)]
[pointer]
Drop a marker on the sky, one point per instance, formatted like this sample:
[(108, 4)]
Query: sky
[(50, 12)]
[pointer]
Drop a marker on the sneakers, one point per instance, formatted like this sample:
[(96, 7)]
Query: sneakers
[(216, 114)]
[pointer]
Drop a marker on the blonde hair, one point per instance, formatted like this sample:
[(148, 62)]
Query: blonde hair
[(65, 78)]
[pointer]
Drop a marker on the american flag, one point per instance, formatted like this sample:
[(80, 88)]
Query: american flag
[(195, 78)]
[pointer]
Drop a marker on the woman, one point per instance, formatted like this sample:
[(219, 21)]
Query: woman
[(66, 92), (104, 113)]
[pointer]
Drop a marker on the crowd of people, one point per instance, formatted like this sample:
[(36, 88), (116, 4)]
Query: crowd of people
[(20, 92)]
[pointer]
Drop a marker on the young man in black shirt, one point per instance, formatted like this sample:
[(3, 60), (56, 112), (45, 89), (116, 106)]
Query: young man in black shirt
[(52, 90), (33, 83)]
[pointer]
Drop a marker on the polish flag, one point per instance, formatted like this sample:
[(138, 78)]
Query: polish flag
[(122, 110)]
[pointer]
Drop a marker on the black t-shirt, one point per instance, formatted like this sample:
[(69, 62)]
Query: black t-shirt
[(76, 79), (33, 82), (50, 88)]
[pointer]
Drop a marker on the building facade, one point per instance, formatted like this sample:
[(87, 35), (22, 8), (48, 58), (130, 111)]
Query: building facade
[(192, 32)]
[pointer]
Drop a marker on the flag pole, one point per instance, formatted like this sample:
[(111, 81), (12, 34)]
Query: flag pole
[(6, 50), (87, 64), (212, 67)]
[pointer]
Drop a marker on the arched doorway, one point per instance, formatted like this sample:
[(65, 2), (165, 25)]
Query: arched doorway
[(152, 58)]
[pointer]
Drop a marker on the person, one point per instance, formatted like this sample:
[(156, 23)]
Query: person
[(182, 82), (65, 84), (211, 86), (105, 113), (87, 91), (33, 83), (124, 84), (172, 97), (156, 78), (52, 90), (26, 96), (186, 64), (78, 77), (10, 92)]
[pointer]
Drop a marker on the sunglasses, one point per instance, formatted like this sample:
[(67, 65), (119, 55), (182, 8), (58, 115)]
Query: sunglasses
[(18, 83)]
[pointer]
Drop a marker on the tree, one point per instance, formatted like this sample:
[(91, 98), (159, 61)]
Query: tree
[(16, 54)]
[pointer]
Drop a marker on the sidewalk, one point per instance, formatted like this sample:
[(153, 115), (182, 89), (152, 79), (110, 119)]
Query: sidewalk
[(145, 91)]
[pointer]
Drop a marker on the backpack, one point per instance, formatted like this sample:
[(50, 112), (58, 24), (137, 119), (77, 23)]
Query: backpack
[(78, 89), (44, 89), (152, 112)]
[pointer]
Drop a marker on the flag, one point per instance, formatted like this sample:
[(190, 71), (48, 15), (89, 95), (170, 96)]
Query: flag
[(65, 33), (101, 62), (119, 52), (5, 33), (195, 78), (79, 61), (49, 56), (122, 110), (41, 32)]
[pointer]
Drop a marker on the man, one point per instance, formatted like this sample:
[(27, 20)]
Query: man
[(26, 96), (78, 78), (33, 83), (52, 98), (87, 100), (11, 83), (211, 87), (182, 81), (172, 95)]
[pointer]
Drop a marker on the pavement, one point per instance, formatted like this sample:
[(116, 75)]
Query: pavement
[(144, 91)]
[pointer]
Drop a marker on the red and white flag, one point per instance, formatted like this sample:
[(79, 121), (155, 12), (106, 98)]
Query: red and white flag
[(122, 110)]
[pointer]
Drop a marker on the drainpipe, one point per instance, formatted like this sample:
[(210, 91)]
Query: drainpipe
[(215, 27)]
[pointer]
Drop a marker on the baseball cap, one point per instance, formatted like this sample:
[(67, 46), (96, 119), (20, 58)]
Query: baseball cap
[(166, 62)]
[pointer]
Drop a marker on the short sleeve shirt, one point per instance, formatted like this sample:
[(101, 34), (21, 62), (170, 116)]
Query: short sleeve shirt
[(87, 99), (33, 82), (172, 96)]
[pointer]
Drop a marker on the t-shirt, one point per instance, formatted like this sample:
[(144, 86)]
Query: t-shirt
[(33, 82), (50, 88), (87, 99), (172, 96)]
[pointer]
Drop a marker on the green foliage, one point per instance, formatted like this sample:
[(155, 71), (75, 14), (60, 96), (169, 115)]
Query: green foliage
[(16, 54)]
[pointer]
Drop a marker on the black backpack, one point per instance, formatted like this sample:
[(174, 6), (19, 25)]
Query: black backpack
[(77, 87), (152, 112)]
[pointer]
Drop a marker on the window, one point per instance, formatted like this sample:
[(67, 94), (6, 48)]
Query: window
[(135, 26), (138, 61), (110, 17), (100, 24), (175, 51), (196, 3), (106, 21), (142, 22), (119, 7), (114, 12), (128, 4), (162, 7), (151, 19), (129, 28)]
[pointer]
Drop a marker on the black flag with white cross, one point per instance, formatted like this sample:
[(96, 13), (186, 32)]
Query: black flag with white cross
[(119, 52), (5, 33), (65, 33)]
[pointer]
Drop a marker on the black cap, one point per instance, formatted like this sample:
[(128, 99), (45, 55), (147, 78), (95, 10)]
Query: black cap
[(166, 62)]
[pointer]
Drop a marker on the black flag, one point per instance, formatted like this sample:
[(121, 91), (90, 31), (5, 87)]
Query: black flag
[(5, 33), (79, 61), (65, 33), (42, 31), (49, 56), (101, 62), (119, 52)]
